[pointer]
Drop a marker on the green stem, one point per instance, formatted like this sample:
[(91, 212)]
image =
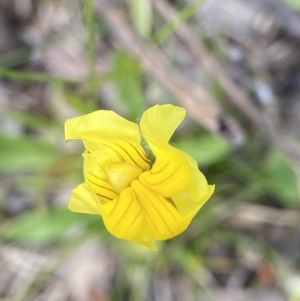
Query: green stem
[(91, 55), (36, 77), (183, 15)]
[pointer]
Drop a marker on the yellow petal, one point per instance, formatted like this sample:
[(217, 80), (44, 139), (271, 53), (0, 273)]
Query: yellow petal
[(100, 125), (109, 137), (196, 194), (83, 200), (170, 173), (127, 152), (96, 179), (121, 174), (101, 154), (143, 240), (159, 123), (124, 218), (162, 219)]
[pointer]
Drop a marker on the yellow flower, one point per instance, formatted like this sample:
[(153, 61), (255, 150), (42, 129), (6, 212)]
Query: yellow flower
[(143, 188)]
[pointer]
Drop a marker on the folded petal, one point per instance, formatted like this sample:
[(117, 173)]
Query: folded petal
[(100, 125), (124, 218), (96, 179), (109, 137), (125, 152), (169, 175), (170, 172), (196, 194), (162, 219), (121, 174), (159, 123), (84, 200)]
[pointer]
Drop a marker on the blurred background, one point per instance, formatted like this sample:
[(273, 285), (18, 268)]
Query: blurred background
[(233, 64)]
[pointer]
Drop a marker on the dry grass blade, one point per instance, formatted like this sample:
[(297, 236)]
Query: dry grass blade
[(199, 104), (203, 58), (256, 216)]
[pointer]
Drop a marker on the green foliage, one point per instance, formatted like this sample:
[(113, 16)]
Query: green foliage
[(294, 4), (24, 153), (36, 77), (79, 104), (27, 120), (126, 73), (141, 15), (279, 178), (14, 57), (182, 16), (206, 149), (242, 176), (39, 226)]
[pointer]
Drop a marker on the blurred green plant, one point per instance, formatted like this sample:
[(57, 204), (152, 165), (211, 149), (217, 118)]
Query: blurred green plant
[(24, 154), (293, 3), (127, 78), (205, 148), (242, 176), (141, 15), (279, 179), (166, 31), (40, 227)]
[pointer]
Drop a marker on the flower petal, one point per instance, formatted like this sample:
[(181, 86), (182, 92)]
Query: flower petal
[(102, 124), (169, 175), (121, 174), (83, 200), (96, 179), (170, 172), (124, 218), (128, 152), (109, 137), (196, 194), (159, 123), (162, 219)]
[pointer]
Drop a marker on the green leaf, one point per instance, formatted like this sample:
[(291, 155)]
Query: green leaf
[(23, 153), (36, 77), (14, 57), (293, 3), (181, 17), (39, 226), (206, 149), (141, 15), (126, 73), (79, 104), (279, 178), (26, 119)]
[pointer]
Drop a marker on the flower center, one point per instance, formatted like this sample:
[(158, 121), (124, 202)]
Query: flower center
[(121, 174)]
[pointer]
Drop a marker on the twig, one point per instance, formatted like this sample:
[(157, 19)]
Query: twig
[(237, 96), (256, 216), (199, 104)]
